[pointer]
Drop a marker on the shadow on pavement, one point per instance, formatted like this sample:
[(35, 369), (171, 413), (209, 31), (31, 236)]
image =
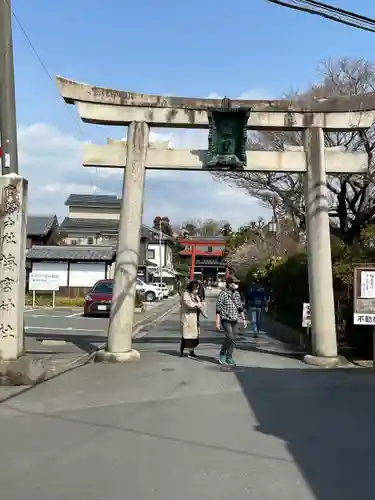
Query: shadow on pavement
[(86, 343), (325, 419), (201, 357), (273, 350), (216, 339)]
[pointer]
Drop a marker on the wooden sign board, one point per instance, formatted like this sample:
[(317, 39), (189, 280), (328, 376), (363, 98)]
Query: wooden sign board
[(364, 295)]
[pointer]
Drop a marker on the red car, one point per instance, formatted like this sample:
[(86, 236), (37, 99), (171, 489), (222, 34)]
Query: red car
[(99, 299)]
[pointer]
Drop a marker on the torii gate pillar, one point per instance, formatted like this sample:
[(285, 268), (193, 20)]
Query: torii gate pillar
[(323, 325), (119, 343)]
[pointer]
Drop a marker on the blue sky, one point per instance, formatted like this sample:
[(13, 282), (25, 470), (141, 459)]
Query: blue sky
[(193, 48)]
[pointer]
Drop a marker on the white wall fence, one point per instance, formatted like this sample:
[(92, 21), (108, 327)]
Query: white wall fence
[(74, 275)]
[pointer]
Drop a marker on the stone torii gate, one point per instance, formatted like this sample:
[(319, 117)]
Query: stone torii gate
[(227, 122)]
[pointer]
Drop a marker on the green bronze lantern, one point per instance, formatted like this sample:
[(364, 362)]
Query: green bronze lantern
[(227, 137)]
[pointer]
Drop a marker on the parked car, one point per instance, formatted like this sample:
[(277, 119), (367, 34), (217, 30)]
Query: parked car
[(164, 288), (99, 299), (150, 291)]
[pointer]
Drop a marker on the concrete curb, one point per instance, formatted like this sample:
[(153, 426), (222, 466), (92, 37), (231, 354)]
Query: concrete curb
[(137, 334), (288, 336)]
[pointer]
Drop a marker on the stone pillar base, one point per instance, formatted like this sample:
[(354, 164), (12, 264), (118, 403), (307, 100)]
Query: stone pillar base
[(22, 371), (117, 357), (323, 362)]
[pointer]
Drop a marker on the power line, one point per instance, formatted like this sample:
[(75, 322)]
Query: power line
[(335, 9), (44, 67), (330, 12)]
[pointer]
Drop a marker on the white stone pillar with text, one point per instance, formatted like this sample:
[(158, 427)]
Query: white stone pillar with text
[(323, 325), (13, 209), (119, 346)]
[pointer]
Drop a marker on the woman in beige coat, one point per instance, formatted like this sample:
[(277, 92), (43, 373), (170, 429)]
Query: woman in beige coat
[(191, 306)]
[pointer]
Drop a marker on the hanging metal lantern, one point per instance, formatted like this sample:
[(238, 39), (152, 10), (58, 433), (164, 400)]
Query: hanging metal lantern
[(227, 137)]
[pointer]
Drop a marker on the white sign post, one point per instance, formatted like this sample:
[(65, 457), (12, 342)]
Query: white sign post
[(44, 282), (306, 322), (364, 300)]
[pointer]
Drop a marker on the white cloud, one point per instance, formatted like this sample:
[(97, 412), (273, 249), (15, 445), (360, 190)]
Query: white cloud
[(51, 161)]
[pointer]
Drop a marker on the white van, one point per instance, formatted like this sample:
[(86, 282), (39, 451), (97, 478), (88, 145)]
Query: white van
[(163, 287), (150, 291)]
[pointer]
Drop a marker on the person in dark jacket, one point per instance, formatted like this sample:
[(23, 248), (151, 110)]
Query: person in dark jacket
[(256, 301)]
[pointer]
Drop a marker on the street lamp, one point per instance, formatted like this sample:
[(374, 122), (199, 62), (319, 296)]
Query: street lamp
[(272, 226)]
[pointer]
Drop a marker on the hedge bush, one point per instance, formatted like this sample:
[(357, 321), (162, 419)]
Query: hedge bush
[(45, 300)]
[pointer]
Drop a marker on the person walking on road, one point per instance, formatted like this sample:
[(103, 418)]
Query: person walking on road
[(191, 308), (228, 310), (256, 302)]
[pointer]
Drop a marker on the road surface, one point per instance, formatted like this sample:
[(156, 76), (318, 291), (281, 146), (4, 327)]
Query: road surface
[(175, 429)]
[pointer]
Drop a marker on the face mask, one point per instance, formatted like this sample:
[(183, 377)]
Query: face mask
[(233, 286)]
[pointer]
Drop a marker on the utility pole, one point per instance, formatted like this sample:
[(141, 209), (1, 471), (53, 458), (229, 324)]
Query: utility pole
[(160, 256), (8, 122)]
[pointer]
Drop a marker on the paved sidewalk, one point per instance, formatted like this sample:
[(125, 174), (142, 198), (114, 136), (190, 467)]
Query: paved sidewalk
[(168, 428)]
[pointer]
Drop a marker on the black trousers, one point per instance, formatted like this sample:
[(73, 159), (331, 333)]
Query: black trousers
[(188, 344), (230, 331)]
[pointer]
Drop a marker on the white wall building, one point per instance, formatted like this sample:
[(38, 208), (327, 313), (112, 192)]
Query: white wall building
[(93, 220), (160, 255), (78, 268)]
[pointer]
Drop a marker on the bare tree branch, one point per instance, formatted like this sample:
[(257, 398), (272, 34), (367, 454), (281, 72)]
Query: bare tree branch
[(351, 198)]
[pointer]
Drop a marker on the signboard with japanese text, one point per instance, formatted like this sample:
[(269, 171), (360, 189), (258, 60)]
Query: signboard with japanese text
[(306, 315), (364, 295), (47, 282)]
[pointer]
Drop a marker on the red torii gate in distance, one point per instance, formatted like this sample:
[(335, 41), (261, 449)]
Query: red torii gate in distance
[(196, 245)]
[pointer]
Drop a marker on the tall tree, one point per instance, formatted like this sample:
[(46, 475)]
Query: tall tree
[(204, 227), (226, 230), (163, 224), (189, 228), (254, 243), (351, 197)]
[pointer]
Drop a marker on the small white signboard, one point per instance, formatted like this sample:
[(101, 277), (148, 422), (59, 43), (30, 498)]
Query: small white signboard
[(364, 319), (46, 282), (306, 315), (367, 285)]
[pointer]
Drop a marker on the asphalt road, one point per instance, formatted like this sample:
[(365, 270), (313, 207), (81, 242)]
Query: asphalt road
[(168, 428), (66, 331), (55, 321)]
